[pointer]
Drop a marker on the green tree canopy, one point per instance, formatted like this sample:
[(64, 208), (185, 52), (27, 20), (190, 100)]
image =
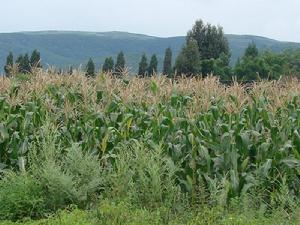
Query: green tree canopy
[(120, 64), (251, 50), (9, 64), (90, 68), (210, 39), (23, 63), (188, 60), (35, 59), (167, 67), (19, 60), (217, 67), (108, 65), (253, 65), (292, 62), (143, 66), (152, 69)]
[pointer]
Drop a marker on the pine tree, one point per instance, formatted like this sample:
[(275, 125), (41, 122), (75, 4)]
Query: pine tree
[(188, 61), (24, 63), (108, 65), (251, 50), (167, 68), (9, 64), (143, 66), (120, 64), (210, 39), (90, 68), (19, 62), (35, 59), (152, 69)]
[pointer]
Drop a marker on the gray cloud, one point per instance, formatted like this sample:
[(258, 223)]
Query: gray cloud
[(278, 19)]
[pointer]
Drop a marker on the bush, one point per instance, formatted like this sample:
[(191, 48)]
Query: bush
[(20, 196), (75, 178), (146, 177)]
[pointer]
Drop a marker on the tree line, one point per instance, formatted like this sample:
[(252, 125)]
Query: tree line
[(23, 63), (108, 66), (206, 51), (120, 67)]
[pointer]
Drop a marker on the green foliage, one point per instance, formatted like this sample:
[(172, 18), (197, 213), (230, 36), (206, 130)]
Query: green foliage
[(188, 60), (120, 64), (77, 145), (35, 59), (250, 69), (167, 64), (108, 65), (20, 196), (23, 64), (212, 56), (222, 68), (124, 213), (21, 77), (292, 62), (146, 177), (73, 178), (98, 45), (64, 217), (19, 60), (90, 68), (266, 65), (210, 40), (52, 181), (9, 64), (143, 66), (251, 51), (152, 69)]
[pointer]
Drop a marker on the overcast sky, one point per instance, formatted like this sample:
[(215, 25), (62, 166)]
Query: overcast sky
[(278, 19)]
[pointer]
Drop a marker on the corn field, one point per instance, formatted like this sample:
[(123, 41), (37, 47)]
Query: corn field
[(235, 139)]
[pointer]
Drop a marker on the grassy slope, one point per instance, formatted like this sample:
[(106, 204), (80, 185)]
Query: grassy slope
[(73, 48)]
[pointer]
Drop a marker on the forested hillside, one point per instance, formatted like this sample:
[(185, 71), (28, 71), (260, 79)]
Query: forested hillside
[(64, 49)]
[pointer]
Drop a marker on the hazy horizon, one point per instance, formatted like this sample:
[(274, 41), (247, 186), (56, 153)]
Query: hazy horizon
[(276, 20), (109, 31)]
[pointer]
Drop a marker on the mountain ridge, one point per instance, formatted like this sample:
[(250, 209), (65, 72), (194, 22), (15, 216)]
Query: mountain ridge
[(130, 33), (65, 48)]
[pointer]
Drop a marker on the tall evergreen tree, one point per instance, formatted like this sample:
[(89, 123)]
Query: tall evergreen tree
[(143, 66), (120, 64), (210, 39), (108, 65), (90, 68), (35, 59), (167, 68), (152, 69), (9, 64), (19, 62), (24, 63), (251, 50), (188, 60)]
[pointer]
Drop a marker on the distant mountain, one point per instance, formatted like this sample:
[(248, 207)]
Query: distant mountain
[(66, 48)]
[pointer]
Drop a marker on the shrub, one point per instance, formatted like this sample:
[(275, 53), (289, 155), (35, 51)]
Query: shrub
[(20, 196), (75, 178), (146, 177)]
